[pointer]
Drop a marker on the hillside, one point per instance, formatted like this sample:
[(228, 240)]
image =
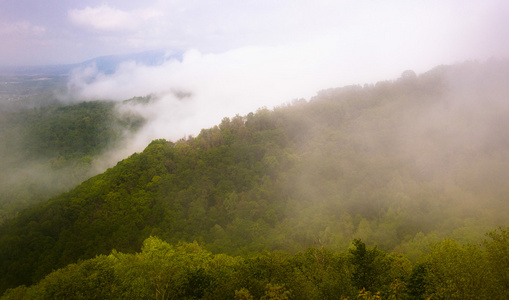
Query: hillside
[(47, 150), (398, 164)]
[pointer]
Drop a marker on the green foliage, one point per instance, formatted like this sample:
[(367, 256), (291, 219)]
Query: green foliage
[(47, 150), (275, 292), (243, 294), (326, 273), (66, 132), (497, 260), (455, 271), (187, 271), (367, 295), (352, 163), (375, 271), (417, 282)]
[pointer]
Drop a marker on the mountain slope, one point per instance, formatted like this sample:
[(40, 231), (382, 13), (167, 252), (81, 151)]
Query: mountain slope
[(120, 208), (398, 164), (47, 150)]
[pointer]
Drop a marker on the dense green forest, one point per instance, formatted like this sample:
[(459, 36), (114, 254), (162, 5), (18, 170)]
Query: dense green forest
[(48, 149), (188, 271), (401, 165)]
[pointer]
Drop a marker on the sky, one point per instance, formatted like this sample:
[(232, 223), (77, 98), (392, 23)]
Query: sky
[(238, 56), (70, 31)]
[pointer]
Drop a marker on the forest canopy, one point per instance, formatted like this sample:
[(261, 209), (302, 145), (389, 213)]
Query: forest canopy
[(187, 271), (49, 149), (400, 164)]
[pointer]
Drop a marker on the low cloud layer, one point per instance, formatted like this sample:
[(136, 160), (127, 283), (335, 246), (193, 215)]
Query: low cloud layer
[(222, 85), (264, 54)]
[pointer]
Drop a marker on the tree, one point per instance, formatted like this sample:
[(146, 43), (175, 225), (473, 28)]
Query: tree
[(371, 267), (275, 292), (458, 272), (243, 294), (497, 252)]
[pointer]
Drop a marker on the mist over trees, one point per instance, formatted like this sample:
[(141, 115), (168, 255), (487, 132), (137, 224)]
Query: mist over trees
[(400, 164), (50, 148)]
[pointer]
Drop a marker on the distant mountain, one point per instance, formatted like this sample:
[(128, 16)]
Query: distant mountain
[(43, 70), (105, 64), (33, 86), (109, 64)]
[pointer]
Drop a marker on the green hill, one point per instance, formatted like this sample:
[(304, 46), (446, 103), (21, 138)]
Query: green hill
[(49, 149), (399, 164)]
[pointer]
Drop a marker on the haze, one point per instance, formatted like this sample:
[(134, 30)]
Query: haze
[(239, 56)]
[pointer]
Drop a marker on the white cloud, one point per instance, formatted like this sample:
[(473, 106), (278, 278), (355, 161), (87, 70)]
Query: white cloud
[(21, 39), (21, 29), (448, 29), (221, 85), (299, 48), (218, 26), (108, 18)]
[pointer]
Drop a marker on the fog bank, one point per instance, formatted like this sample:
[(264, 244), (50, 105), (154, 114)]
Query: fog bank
[(201, 89)]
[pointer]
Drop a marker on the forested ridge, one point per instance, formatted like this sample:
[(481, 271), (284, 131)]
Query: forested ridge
[(401, 165), (48, 149)]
